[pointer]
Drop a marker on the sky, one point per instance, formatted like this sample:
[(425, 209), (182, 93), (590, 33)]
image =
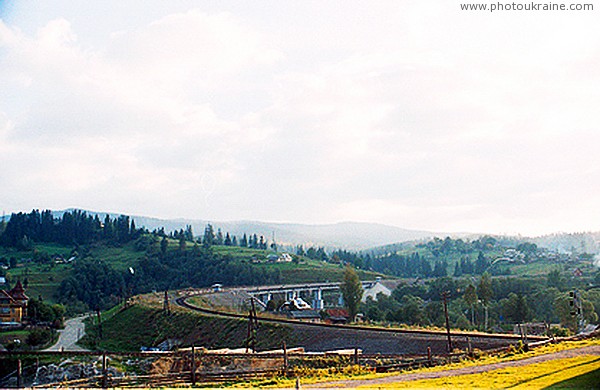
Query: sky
[(408, 113)]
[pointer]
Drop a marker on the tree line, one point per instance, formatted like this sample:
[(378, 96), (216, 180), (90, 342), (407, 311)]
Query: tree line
[(211, 237), (503, 301), (74, 227)]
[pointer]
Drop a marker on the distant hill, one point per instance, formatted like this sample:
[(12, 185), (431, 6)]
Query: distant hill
[(351, 235), (344, 235), (588, 242)]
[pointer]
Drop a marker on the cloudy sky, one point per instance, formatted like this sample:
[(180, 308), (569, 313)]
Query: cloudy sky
[(408, 113)]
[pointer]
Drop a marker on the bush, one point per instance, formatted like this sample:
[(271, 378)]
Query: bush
[(558, 331), (39, 336)]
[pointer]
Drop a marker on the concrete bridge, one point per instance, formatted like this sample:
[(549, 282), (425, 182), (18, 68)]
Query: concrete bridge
[(265, 293)]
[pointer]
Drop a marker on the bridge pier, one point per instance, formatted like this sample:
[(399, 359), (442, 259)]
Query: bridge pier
[(318, 300), (266, 298)]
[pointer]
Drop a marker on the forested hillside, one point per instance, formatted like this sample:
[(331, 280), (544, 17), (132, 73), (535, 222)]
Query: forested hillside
[(86, 262)]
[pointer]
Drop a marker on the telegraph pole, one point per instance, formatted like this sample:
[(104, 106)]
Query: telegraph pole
[(445, 296), (577, 309), (252, 328), (99, 322), (166, 306)]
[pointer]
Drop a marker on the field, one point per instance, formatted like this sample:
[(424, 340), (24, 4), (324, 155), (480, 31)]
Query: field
[(43, 280)]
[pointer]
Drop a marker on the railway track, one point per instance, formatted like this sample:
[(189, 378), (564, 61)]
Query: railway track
[(182, 301)]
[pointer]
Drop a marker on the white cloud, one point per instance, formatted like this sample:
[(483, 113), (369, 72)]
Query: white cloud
[(414, 114)]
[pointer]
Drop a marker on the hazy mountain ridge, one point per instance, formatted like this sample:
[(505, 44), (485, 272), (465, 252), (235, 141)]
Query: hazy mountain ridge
[(350, 235), (345, 235), (588, 242)]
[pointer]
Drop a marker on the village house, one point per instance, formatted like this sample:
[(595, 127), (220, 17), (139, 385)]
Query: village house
[(13, 305), (374, 289)]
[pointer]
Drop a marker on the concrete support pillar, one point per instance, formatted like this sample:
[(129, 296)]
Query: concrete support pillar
[(265, 298), (318, 300)]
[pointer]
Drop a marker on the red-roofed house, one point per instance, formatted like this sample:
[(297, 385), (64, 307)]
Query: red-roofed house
[(13, 304)]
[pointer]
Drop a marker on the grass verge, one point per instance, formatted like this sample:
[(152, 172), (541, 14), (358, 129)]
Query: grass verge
[(537, 376), (323, 376)]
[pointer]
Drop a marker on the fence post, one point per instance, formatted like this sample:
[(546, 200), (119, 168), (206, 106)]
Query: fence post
[(193, 366), (104, 371), (429, 356), (355, 355), (285, 358), (99, 323), (19, 374), (469, 346), (445, 296)]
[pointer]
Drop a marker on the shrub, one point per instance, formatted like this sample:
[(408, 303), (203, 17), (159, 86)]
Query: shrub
[(39, 336)]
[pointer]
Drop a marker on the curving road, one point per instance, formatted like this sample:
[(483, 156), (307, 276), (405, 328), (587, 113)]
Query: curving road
[(68, 337)]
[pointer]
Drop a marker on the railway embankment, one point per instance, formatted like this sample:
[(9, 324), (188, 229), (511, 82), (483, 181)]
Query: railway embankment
[(146, 326)]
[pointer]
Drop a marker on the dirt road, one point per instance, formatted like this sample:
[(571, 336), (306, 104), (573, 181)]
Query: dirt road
[(67, 337), (591, 350)]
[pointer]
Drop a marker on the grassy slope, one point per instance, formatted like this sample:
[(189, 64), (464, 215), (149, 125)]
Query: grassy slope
[(588, 380), (45, 279), (140, 325)]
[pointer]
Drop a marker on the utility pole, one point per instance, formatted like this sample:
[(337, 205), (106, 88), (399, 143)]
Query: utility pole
[(193, 368), (166, 307), (99, 322), (252, 328), (577, 308), (445, 296)]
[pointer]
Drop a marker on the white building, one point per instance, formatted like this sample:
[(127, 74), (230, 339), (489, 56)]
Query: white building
[(375, 289)]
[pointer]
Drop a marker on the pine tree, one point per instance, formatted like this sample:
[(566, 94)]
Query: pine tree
[(457, 270), (189, 234), (209, 236), (481, 264), (164, 244), (182, 244), (133, 231)]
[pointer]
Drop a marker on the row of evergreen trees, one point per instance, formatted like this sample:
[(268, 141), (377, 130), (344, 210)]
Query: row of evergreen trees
[(73, 227), (210, 237), (466, 267)]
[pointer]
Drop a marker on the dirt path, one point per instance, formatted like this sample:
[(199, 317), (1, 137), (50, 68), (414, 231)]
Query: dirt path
[(591, 350), (67, 337)]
